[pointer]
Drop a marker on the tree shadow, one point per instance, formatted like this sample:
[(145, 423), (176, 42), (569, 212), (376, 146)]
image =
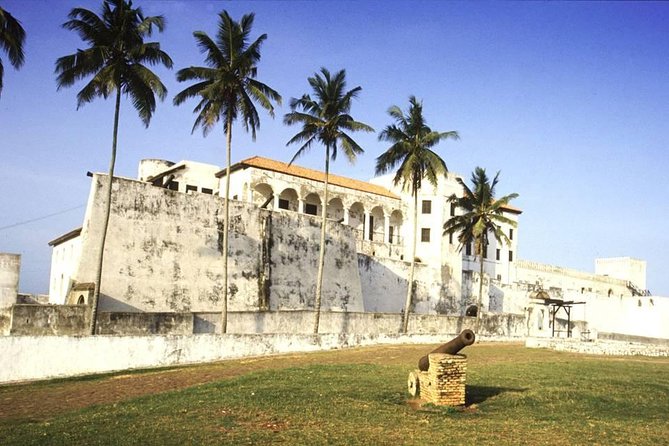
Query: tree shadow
[(478, 394)]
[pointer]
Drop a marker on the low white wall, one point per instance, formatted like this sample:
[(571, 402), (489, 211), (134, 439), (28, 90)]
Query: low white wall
[(599, 347), (42, 357)]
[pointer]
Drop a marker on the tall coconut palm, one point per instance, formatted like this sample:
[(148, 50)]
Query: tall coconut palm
[(412, 142), (325, 119), (482, 215), (116, 60), (227, 89), (12, 37)]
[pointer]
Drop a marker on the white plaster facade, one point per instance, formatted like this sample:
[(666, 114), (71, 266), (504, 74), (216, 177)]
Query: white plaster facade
[(184, 176), (64, 262), (165, 254), (376, 214), (10, 267), (624, 268)]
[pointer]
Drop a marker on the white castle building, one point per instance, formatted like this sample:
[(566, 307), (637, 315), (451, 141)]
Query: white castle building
[(163, 250)]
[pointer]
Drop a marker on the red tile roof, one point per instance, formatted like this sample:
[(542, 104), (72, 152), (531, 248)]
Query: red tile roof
[(316, 175), (310, 174)]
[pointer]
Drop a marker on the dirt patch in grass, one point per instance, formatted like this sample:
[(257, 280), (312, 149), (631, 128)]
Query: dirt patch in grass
[(39, 401)]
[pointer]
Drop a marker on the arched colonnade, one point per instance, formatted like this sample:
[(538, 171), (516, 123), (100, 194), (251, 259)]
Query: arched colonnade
[(372, 221)]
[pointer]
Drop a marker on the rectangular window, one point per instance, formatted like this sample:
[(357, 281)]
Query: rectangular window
[(283, 204), (452, 209), (173, 185), (310, 209), (468, 249), (427, 207), (511, 234), (510, 256), (206, 190), (485, 252), (450, 238), (425, 235), (190, 188), (498, 254), (391, 231)]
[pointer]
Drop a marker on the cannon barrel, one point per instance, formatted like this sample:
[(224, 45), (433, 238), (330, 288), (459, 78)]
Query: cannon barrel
[(452, 347)]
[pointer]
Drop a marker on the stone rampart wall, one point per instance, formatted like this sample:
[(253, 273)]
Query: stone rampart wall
[(566, 279), (138, 324), (507, 325), (46, 320), (40, 320), (384, 286), (163, 254), (10, 266)]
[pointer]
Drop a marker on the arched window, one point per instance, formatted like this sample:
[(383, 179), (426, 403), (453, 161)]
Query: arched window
[(336, 209), (356, 218), (288, 200), (396, 219), (263, 195), (312, 204)]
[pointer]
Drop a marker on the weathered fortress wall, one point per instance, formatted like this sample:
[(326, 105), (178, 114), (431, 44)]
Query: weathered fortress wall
[(557, 280), (384, 287), (163, 254), (10, 265)]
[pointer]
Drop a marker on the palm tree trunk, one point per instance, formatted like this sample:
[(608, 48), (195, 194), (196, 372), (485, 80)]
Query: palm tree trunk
[(226, 226), (112, 162), (321, 256), (407, 305), (479, 311)]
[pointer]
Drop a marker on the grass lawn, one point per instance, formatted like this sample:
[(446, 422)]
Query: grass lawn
[(351, 397)]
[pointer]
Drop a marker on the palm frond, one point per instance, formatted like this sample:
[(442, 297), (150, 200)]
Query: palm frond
[(141, 85), (152, 54), (146, 26), (303, 148), (325, 117), (213, 55), (227, 88), (12, 38), (115, 56), (411, 141), (264, 95), (192, 91)]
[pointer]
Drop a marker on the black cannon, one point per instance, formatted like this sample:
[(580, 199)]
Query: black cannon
[(452, 347)]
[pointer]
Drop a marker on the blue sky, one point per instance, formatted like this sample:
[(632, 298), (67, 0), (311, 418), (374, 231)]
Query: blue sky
[(569, 100)]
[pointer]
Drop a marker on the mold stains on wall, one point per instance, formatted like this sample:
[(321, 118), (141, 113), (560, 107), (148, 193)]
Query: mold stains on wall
[(129, 293), (265, 262), (167, 246), (220, 228), (232, 290)]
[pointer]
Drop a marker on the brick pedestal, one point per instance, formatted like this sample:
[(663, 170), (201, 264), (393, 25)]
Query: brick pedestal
[(444, 382)]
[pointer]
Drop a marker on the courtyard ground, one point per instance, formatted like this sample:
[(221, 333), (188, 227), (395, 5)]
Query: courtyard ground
[(354, 396)]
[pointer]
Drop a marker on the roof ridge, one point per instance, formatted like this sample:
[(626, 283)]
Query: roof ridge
[(316, 175)]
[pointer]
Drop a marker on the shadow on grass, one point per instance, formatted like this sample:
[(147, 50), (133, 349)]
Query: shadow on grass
[(478, 394)]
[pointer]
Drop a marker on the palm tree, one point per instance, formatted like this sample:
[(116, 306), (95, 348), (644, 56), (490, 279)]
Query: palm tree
[(482, 215), (12, 37), (227, 89), (412, 141), (325, 119), (115, 59)]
